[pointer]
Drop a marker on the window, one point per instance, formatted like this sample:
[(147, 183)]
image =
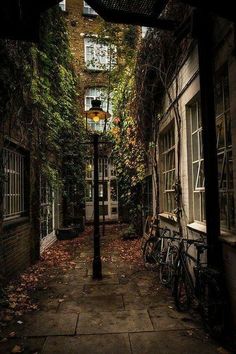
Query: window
[(62, 5), (224, 147), (89, 192), (14, 185), (168, 169), (46, 208), (100, 93), (103, 164), (224, 150), (89, 169), (88, 10), (98, 56), (197, 163)]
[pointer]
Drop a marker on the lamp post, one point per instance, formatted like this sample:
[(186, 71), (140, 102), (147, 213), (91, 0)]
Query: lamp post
[(95, 114)]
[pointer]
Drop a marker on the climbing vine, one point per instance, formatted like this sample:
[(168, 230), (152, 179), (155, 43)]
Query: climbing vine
[(38, 101)]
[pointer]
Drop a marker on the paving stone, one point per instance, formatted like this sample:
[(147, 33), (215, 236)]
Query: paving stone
[(114, 322), (107, 269), (92, 344), (48, 324), (134, 302), (93, 303), (165, 318), (170, 342), (29, 345), (109, 289)]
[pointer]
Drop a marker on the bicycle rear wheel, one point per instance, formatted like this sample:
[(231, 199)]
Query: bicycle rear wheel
[(167, 266), (181, 289), (151, 250), (212, 302)]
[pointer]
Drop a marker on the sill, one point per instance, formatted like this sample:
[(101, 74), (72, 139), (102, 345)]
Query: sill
[(89, 15), (168, 217), (197, 227), (13, 223), (227, 237)]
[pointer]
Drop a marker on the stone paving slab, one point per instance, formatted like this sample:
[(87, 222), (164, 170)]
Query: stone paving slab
[(48, 324), (109, 289), (165, 318), (107, 269), (91, 344), (114, 322), (93, 303), (170, 342), (30, 345), (135, 302)]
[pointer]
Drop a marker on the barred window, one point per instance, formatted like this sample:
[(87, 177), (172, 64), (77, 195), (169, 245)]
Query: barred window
[(13, 198), (168, 169)]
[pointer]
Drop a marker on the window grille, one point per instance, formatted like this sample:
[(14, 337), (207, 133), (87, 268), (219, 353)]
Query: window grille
[(168, 169), (88, 10), (14, 184)]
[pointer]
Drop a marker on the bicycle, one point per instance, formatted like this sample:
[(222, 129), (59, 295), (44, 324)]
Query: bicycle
[(154, 246), (168, 261), (204, 288)]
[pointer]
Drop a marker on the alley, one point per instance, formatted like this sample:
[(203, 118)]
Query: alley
[(126, 312)]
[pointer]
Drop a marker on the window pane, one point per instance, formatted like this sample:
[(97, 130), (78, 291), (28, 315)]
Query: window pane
[(219, 97), (197, 206), (113, 186), (194, 118), (220, 131), (195, 146)]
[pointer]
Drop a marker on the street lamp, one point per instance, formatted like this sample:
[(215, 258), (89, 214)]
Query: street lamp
[(95, 114)]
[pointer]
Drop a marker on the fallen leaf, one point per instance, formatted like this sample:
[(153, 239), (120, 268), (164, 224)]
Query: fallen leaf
[(11, 334), (17, 349)]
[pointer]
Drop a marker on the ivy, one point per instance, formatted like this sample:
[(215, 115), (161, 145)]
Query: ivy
[(39, 94)]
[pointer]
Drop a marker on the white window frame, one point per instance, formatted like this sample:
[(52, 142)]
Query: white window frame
[(62, 5), (14, 184), (88, 10), (97, 56), (92, 93), (168, 174), (198, 181)]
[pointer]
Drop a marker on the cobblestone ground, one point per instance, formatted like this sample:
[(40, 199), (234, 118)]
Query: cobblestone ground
[(126, 312)]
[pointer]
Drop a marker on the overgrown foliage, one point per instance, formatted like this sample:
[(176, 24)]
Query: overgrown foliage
[(38, 101)]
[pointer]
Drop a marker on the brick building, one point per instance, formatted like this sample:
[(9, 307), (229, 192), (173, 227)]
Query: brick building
[(92, 61)]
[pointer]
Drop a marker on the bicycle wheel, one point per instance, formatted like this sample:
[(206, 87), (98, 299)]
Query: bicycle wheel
[(181, 289), (150, 251), (167, 266), (212, 302)]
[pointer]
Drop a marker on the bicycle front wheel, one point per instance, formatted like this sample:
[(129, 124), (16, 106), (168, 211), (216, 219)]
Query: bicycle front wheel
[(181, 289)]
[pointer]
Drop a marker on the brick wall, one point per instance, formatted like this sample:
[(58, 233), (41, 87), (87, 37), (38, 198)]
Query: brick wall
[(78, 27), (15, 243)]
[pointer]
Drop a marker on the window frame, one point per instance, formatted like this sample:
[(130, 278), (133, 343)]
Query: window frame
[(168, 194), (90, 12), (18, 187)]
